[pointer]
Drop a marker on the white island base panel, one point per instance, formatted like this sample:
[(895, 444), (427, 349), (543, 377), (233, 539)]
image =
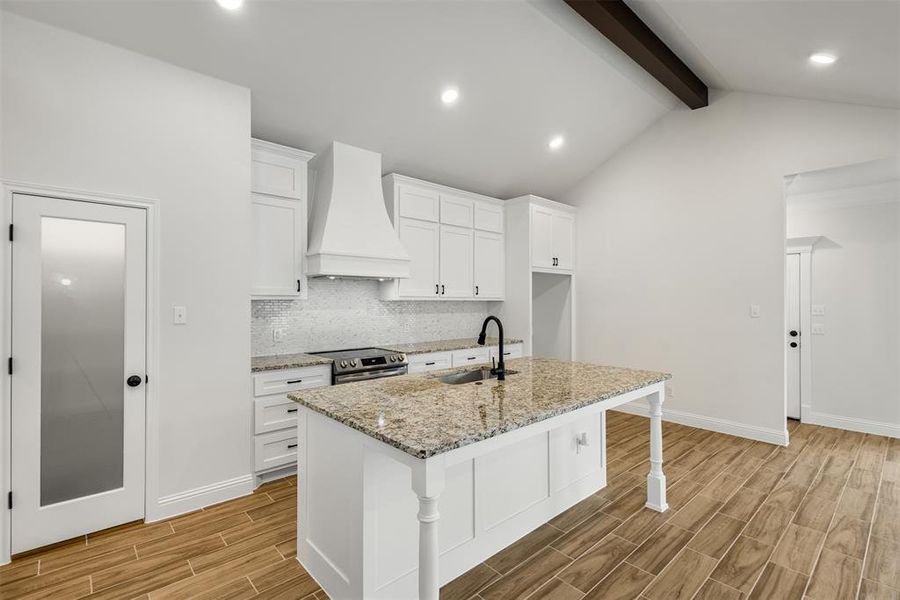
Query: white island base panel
[(369, 515)]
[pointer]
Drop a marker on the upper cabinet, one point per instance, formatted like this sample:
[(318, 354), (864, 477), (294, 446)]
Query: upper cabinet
[(454, 239), (279, 203), (552, 237)]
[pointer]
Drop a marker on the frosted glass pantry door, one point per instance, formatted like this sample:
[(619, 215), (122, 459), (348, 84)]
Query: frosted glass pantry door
[(78, 331)]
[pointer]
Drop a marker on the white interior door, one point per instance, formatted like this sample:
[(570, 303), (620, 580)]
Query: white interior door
[(792, 335), (456, 262), (78, 347)]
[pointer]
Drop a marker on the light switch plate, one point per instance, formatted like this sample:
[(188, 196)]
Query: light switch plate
[(818, 328), (817, 310), (754, 311), (179, 315), (277, 334)]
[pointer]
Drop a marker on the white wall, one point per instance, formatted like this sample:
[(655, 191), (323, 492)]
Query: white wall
[(684, 228), (81, 114), (856, 276)]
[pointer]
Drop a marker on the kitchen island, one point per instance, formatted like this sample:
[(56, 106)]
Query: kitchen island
[(378, 459)]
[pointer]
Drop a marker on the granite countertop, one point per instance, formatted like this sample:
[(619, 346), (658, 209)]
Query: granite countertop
[(423, 417), (447, 345), (275, 362)]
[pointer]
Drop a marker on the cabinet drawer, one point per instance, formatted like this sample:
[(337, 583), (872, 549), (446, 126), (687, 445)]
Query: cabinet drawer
[(456, 211), (289, 380), (275, 449), (419, 363), (472, 356), (271, 413), (511, 351), (488, 217), (418, 203)]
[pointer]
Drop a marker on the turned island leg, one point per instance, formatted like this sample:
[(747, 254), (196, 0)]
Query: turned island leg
[(656, 480), (428, 483)]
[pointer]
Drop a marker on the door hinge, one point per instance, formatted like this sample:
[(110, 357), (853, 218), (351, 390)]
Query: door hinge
[(9, 366), (9, 500)]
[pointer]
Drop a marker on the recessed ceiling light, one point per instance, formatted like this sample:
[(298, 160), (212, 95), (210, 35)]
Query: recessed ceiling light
[(821, 58), (450, 96), (230, 4), (556, 142)]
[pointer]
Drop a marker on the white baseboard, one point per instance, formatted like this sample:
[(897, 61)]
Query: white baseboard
[(197, 498), (861, 425), (771, 436)]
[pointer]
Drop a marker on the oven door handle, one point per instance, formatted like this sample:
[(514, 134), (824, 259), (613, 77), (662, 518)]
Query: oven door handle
[(366, 376)]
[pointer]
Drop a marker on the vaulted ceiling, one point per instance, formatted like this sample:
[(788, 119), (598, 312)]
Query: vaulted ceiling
[(371, 74)]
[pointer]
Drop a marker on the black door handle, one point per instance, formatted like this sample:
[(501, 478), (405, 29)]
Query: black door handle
[(476, 290), (793, 344), (298, 285), (437, 288), (794, 333), (133, 381), (442, 289)]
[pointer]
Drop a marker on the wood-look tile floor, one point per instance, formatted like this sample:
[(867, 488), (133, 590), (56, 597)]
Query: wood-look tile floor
[(817, 520)]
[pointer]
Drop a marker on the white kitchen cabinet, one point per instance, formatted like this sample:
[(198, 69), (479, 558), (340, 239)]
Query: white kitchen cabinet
[(456, 262), (471, 356), (563, 240), (541, 237), (454, 239), (279, 215), (279, 243), (489, 272), (431, 361), (509, 351), (422, 242), (457, 211), (275, 416), (552, 238), (489, 217)]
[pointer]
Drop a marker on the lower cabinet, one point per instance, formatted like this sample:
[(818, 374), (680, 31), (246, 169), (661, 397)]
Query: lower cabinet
[(275, 417), (432, 361), (471, 356)]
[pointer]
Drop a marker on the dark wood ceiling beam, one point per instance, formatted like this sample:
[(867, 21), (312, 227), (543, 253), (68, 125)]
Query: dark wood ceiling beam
[(622, 27)]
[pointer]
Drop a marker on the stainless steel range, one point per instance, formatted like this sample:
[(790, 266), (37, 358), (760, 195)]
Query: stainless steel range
[(361, 364)]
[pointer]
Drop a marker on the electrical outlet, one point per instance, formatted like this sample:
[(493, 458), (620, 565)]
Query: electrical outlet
[(817, 310), (179, 315), (754, 311), (818, 328), (277, 334)]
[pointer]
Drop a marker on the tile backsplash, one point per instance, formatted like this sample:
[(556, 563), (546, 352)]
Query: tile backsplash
[(347, 313)]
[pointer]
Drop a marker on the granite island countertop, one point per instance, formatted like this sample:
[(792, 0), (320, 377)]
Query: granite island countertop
[(423, 416)]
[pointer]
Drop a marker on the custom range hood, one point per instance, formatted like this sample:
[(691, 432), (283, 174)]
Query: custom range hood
[(350, 234)]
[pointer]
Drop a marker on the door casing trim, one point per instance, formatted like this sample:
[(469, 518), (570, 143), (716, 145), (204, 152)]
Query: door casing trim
[(151, 450)]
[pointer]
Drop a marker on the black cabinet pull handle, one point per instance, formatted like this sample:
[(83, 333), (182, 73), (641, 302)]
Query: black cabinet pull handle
[(437, 288), (476, 290), (428, 364), (290, 381), (291, 410), (472, 358), (442, 289), (291, 446)]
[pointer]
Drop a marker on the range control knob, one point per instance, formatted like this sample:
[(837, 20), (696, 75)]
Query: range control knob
[(393, 357), (353, 362), (343, 364), (401, 358)]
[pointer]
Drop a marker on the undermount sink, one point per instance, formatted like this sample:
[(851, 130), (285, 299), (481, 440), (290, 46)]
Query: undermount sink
[(482, 374)]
